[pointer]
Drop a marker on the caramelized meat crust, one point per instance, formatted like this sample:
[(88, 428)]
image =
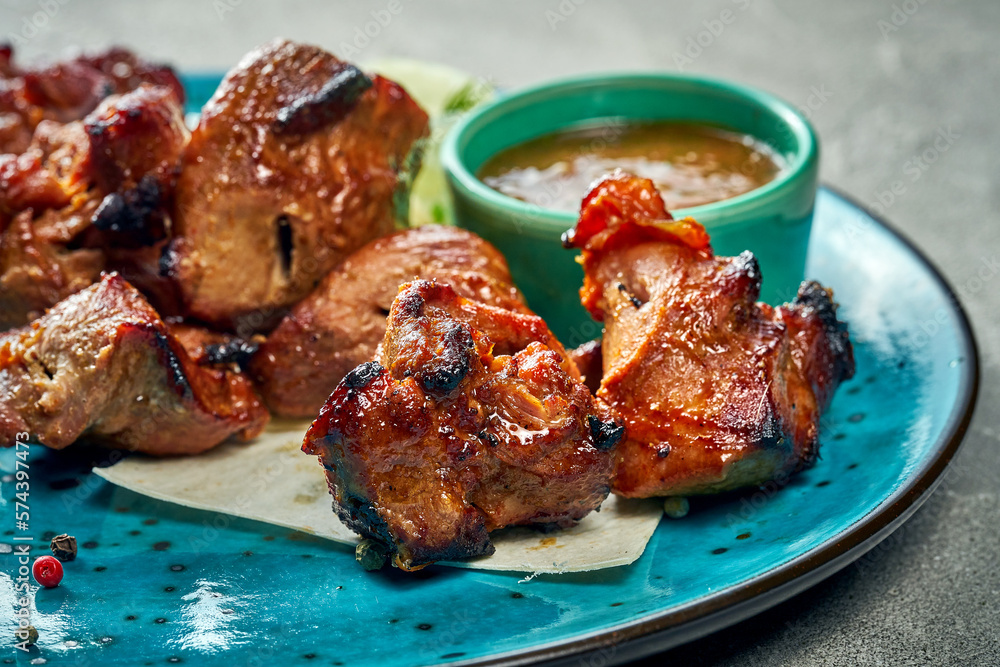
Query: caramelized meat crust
[(68, 91), (293, 166), (340, 324), (102, 364), (441, 440), (717, 391), (88, 196)]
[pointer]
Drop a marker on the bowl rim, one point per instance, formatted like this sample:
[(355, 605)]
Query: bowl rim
[(725, 212)]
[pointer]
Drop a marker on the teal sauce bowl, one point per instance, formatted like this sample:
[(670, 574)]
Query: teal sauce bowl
[(773, 220)]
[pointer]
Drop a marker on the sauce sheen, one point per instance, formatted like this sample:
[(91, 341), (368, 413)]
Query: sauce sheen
[(691, 164)]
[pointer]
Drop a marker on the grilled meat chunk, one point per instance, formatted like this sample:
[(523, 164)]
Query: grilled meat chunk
[(36, 272), (88, 196), (102, 365), (340, 324), (293, 166), (68, 91), (442, 440), (127, 71), (717, 391)]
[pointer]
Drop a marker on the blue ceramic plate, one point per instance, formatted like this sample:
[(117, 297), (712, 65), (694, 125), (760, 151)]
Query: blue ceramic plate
[(157, 584)]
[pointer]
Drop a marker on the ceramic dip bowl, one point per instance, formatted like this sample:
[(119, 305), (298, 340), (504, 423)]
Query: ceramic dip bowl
[(772, 220)]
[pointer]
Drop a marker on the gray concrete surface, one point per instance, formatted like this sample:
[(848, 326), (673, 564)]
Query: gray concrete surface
[(882, 78)]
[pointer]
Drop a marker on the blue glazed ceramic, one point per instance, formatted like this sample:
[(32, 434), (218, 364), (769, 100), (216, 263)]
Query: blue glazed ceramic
[(199, 87), (156, 584)]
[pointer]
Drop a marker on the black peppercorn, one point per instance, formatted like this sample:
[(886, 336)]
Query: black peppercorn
[(63, 547), (371, 554), (28, 635)]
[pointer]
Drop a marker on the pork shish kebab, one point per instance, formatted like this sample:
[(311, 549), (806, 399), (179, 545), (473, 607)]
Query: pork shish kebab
[(716, 390), (296, 162), (67, 91), (88, 196), (101, 364), (443, 438), (340, 324)]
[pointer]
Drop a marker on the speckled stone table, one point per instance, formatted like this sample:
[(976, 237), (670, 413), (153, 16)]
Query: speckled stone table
[(904, 95)]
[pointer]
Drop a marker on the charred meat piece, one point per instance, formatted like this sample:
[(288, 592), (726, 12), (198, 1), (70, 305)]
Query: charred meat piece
[(37, 272), (127, 71), (88, 196), (134, 138), (68, 91), (441, 441), (50, 173), (214, 348), (102, 365), (717, 391), (340, 324), (293, 166)]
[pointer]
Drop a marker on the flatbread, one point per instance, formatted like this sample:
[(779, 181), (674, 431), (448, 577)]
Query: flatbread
[(272, 481)]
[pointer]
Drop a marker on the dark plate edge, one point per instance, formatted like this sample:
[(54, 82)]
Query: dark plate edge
[(650, 635)]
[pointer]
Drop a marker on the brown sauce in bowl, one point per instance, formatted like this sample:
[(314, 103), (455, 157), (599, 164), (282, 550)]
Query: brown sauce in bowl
[(691, 164)]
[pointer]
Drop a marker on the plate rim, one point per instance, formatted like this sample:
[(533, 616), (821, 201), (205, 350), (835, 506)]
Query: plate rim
[(660, 632)]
